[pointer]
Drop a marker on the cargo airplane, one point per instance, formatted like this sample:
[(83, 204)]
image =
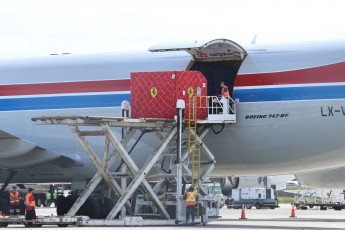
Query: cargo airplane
[(290, 106)]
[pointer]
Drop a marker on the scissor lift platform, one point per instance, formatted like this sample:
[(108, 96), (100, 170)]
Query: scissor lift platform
[(168, 132)]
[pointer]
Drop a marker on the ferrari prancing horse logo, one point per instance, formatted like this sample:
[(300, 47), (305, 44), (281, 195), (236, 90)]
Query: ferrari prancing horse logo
[(190, 91), (154, 92)]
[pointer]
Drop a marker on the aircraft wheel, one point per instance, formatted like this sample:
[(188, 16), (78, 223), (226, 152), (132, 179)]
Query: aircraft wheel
[(60, 206), (5, 203), (109, 205), (3, 225), (106, 207), (95, 210)]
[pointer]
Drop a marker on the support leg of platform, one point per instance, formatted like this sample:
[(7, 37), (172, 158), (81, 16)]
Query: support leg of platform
[(140, 178), (95, 159), (97, 178), (134, 169)]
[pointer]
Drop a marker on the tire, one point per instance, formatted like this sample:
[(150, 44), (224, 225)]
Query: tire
[(257, 205), (272, 207), (95, 211), (107, 206), (90, 208), (249, 207), (3, 225), (311, 206), (60, 206), (62, 225), (5, 203), (323, 208)]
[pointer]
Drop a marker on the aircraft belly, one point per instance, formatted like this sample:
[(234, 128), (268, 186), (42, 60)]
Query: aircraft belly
[(331, 178), (300, 139), (280, 138)]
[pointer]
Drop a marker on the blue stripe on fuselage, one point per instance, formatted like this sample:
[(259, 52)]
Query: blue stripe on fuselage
[(63, 102), (290, 93), (114, 100)]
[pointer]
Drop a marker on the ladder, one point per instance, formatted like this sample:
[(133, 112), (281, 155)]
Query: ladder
[(193, 148)]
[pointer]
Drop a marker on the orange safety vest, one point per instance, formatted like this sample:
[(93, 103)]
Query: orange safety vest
[(225, 93), (30, 201), (14, 197), (191, 198)]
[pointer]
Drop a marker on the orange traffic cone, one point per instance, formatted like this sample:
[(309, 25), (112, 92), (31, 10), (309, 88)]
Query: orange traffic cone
[(243, 214), (293, 214)]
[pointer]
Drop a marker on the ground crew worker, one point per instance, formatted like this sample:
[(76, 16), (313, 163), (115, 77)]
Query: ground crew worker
[(15, 201), (48, 199), (191, 198), (224, 90), (30, 216), (55, 197)]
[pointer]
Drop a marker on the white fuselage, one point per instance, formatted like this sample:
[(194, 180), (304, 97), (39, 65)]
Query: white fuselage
[(282, 127)]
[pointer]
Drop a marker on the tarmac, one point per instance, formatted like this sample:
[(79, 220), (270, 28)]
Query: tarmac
[(256, 219)]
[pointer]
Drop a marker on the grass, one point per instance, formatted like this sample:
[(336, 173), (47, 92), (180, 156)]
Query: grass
[(285, 200), (289, 200)]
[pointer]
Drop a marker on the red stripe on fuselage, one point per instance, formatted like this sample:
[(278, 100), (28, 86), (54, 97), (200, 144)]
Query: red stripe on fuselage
[(322, 74), (65, 87)]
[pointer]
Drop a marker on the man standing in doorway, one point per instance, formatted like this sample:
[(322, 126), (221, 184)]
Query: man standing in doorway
[(30, 216), (224, 90), (191, 198)]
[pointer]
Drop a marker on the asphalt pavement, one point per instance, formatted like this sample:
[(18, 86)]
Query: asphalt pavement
[(256, 219)]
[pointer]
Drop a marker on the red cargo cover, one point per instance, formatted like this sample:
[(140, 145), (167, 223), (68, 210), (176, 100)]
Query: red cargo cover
[(154, 94)]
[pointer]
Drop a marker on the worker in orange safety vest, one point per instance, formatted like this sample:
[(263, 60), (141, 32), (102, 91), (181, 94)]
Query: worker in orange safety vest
[(30, 216), (191, 198), (224, 90), (15, 200)]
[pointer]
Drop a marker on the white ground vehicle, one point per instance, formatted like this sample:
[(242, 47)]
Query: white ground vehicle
[(249, 197), (214, 190)]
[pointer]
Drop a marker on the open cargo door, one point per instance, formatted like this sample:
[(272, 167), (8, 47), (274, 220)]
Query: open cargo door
[(218, 60)]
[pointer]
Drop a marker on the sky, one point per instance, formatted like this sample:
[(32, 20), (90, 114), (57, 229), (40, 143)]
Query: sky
[(43, 27)]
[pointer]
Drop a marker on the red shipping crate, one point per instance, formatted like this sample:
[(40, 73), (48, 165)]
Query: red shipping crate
[(154, 94)]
